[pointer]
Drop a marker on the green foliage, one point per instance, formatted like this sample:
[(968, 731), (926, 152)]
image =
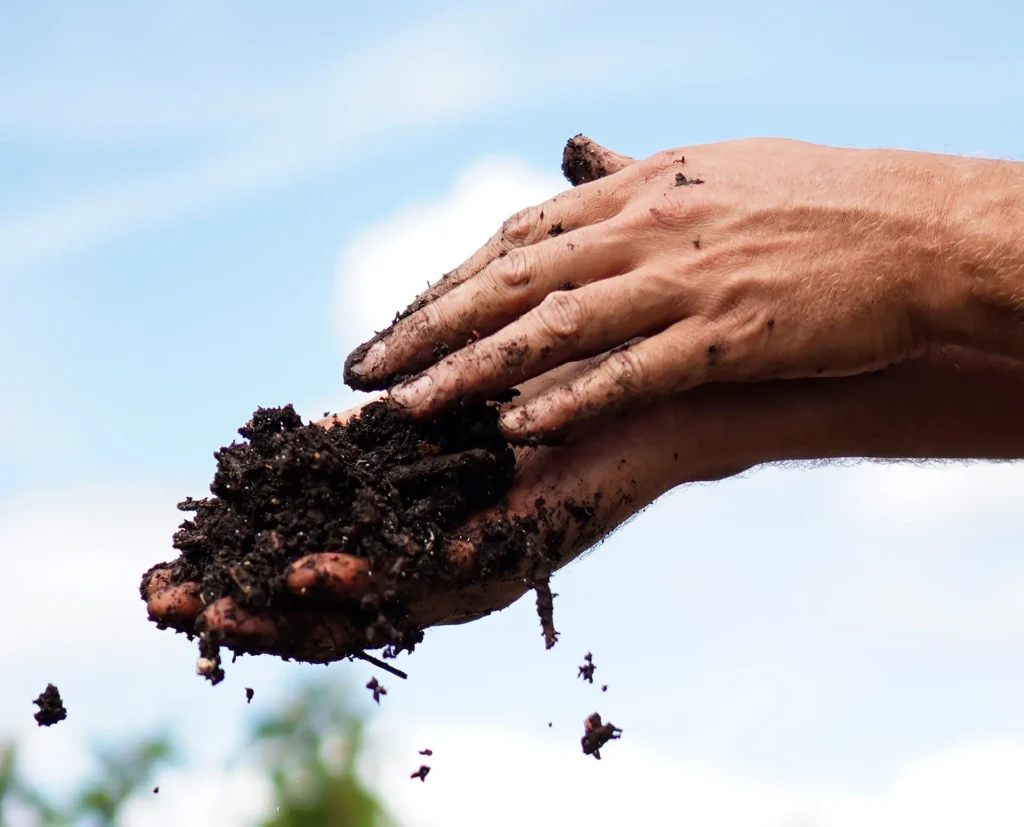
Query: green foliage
[(309, 750)]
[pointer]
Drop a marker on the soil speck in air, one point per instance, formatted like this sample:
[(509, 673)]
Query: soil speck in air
[(597, 734), (156, 790), (587, 669), (248, 695), (376, 689), (427, 752), (421, 773), (51, 708), (604, 688)]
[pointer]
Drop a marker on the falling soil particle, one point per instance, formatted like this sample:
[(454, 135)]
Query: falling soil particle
[(587, 669), (596, 735), (604, 688), (427, 752), (392, 492), (51, 708), (248, 695), (549, 724), (376, 689), (421, 773), (156, 790)]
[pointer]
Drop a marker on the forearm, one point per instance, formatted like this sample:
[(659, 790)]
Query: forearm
[(954, 404), (980, 288)]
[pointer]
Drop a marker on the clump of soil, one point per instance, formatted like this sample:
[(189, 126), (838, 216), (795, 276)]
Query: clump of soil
[(421, 773), (51, 707), (376, 689), (427, 752), (596, 735), (587, 669), (249, 693), (381, 488)]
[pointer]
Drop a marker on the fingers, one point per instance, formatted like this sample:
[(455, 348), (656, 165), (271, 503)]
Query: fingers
[(174, 606), (340, 576), (584, 161), (345, 417), (371, 365), (681, 357), (503, 291), (567, 326), (318, 634)]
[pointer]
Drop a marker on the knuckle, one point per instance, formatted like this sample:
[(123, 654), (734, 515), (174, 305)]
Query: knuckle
[(627, 371), (518, 229), (514, 271), (560, 316)]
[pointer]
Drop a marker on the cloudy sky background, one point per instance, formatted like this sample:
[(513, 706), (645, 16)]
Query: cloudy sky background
[(203, 207)]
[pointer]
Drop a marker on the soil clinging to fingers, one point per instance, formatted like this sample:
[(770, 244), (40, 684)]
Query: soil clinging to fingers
[(391, 492)]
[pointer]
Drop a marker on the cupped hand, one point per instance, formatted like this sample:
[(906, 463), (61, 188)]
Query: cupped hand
[(577, 493), (737, 261)]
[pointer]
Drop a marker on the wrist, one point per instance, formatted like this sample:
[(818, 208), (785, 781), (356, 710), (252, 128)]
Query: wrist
[(979, 301)]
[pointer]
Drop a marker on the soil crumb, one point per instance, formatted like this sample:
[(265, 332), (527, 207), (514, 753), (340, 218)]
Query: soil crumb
[(427, 752), (156, 790), (421, 773), (683, 181), (604, 688), (249, 693), (392, 492), (587, 669), (597, 734), (376, 689), (51, 707)]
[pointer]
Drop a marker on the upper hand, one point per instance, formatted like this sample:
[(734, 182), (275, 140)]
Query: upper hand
[(746, 261)]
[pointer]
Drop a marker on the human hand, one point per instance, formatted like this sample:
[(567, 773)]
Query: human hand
[(737, 261), (576, 494)]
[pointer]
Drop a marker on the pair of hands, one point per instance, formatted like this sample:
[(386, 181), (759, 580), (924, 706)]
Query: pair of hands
[(742, 261)]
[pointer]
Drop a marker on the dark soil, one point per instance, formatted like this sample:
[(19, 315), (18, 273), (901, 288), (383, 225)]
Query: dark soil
[(392, 492), (587, 669), (580, 162), (376, 689), (249, 695), (421, 773), (51, 708), (596, 735)]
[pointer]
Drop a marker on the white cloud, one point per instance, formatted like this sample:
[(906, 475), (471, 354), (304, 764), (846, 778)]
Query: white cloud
[(73, 559), (389, 265), (505, 778), (940, 491)]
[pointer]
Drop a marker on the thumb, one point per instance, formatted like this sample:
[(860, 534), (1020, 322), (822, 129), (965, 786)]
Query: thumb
[(583, 160)]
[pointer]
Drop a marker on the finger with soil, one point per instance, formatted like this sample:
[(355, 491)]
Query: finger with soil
[(175, 606), (584, 160)]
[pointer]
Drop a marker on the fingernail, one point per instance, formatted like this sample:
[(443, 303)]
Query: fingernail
[(412, 394), (373, 359), (513, 420)]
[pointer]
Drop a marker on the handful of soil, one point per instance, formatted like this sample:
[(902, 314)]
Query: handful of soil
[(387, 490)]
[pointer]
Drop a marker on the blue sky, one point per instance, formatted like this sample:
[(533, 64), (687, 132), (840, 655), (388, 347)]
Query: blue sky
[(204, 206)]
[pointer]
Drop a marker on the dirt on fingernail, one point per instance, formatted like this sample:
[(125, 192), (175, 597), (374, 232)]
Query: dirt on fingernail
[(581, 162), (51, 707)]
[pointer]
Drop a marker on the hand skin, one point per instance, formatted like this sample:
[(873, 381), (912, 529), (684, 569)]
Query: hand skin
[(950, 404), (747, 261)]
